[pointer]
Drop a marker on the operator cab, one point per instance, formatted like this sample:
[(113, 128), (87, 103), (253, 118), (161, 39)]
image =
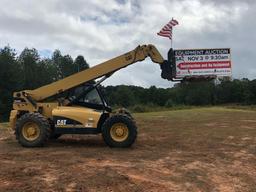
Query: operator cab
[(90, 96)]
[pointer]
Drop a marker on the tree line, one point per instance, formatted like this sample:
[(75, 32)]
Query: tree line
[(237, 91), (28, 70)]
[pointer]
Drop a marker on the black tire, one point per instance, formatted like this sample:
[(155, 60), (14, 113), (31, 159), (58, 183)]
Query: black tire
[(42, 124), (123, 119), (129, 114), (125, 112)]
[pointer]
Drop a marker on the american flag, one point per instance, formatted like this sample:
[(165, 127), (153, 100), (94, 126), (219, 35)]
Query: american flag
[(166, 31)]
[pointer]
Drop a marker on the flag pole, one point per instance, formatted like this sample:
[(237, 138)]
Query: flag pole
[(172, 39), (172, 35)]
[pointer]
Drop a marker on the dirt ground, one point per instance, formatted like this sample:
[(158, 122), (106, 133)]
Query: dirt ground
[(205, 149)]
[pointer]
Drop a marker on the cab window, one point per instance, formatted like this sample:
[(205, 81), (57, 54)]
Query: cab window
[(92, 97)]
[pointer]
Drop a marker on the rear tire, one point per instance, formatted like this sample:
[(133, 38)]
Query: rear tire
[(119, 131), (32, 130)]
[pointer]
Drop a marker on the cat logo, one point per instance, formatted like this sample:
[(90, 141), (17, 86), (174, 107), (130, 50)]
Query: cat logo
[(61, 122)]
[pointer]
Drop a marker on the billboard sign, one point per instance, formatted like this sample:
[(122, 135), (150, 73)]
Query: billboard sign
[(203, 62)]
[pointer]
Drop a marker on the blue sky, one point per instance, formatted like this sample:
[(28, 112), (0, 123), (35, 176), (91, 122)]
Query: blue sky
[(102, 29)]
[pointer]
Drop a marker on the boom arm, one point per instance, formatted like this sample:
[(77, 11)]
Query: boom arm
[(105, 68)]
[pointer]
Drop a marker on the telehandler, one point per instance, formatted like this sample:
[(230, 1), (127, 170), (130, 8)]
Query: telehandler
[(75, 105)]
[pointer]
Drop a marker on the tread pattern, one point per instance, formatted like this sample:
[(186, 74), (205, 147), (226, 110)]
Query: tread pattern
[(119, 118), (43, 125)]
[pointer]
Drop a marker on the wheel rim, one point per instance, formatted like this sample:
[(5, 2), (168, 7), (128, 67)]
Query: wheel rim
[(30, 131), (119, 132)]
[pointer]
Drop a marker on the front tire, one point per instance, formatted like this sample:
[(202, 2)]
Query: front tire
[(119, 131), (32, 130)]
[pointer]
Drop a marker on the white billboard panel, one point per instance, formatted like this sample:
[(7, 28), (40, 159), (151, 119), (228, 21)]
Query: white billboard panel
[(203, 62)]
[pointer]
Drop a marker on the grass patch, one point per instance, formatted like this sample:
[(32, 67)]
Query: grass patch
[(155, 108)]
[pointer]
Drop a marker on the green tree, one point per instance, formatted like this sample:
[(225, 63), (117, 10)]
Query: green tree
[(64, 64), (80, 63), (28, 60), (10, 80), (46, 71), (122, 96)]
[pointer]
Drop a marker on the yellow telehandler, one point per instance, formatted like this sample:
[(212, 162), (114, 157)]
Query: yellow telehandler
[(74, 105)]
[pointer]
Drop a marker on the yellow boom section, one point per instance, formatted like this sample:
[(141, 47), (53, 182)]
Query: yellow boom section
[(138, 54)]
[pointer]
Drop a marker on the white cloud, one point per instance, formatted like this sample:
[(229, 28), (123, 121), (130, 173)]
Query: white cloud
[(100, 30)]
